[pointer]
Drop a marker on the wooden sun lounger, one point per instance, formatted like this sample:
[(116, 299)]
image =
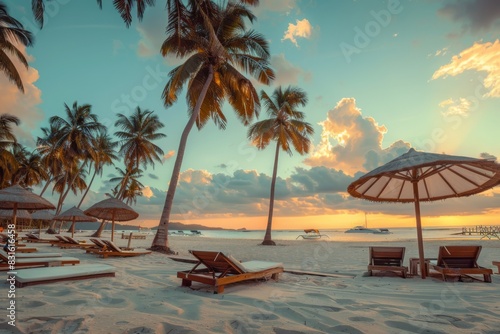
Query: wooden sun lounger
[(26, 250), (497, 263), (221, 270), (39, 262), (460, 260), (387, 259), (115, 250), (30, 255), (34, 276), (35, 238)]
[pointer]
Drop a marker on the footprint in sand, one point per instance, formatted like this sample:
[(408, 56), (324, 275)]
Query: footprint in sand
[(344, 329), (57, 293), (263, 316), (407, 327), (35, 303), (141, 330), (361, 319), (75, 302), (277, 330)]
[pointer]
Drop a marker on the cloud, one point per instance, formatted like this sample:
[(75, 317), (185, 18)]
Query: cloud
[(280, 6), (286, 72), (152, 32), (23, 105), (147, 192), (302, 29), (460, 107), (351, 142), (475, 15), (481, 57), (168, 155)]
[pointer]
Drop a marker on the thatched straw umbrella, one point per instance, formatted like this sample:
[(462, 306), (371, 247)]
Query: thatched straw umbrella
[(74, 215), (112, 209)]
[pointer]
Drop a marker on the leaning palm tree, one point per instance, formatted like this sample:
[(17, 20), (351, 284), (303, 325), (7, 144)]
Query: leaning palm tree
[(218, 47), (12, 32), (287, 128)]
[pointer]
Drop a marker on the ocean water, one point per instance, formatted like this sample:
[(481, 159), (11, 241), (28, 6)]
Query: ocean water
[(397, 234)]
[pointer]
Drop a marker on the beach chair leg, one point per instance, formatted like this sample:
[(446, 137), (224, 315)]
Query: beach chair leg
[(186, 282), (218, 289), (275, 276), (487, 278)]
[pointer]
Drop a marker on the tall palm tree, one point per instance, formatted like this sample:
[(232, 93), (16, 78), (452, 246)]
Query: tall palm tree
[(138, 131), (287, 128), (12, 32), (51, 155), (218, 46), (8, 162), (127, 179), (103, 154), (74, 138)]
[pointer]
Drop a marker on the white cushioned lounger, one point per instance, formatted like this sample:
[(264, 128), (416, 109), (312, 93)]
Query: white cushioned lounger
[(26, 277), (31, 255)]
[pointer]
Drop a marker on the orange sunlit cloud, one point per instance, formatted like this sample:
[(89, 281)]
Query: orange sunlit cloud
[(23, 105), (302, 29), (352, 142), (479, 57)]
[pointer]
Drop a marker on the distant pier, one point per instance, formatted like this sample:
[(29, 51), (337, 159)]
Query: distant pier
[(485, 231)]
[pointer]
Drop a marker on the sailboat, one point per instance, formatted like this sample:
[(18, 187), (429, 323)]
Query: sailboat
[(365, 229)]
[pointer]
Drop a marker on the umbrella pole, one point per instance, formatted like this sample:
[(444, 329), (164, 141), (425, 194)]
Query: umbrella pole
[(73, 228), (419, 232), (113, 226)]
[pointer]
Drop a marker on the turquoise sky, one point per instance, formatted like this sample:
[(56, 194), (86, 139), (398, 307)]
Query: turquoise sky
[(381, 77)]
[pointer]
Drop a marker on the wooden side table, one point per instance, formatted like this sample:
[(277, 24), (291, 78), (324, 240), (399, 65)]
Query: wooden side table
[(415, 264)]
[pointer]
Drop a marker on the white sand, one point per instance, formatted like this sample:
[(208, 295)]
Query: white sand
[(147, 297)]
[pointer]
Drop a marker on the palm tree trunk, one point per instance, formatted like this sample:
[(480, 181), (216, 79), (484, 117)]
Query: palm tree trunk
[(97, 234), (160, 242), (46, 185), (267, 237), (87, 190)]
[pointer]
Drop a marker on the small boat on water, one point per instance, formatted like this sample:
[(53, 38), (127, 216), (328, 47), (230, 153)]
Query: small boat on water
[(312, 234), (362, 229), (365, 229)]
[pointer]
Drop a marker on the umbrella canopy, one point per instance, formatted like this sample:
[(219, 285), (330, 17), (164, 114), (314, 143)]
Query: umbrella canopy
[(9, 214), (16, 197), (42, 215), (112, 209), (419, 176), (74, 215)]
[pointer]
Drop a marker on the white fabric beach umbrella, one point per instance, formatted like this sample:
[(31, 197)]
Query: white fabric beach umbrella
[(112, 209), (42, 215), (74, 215), (420, 176), (18, 198)]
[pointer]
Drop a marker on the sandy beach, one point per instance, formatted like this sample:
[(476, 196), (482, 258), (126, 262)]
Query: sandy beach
[(147, 297)]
